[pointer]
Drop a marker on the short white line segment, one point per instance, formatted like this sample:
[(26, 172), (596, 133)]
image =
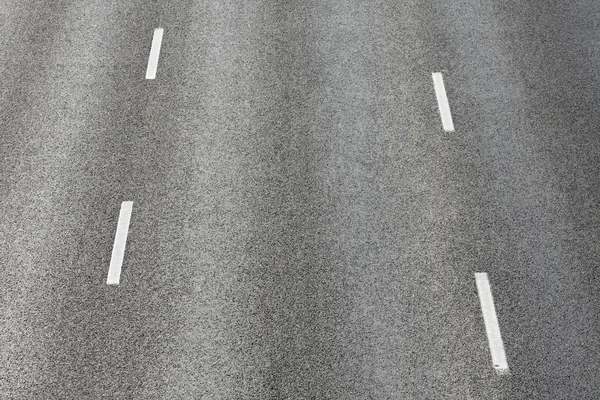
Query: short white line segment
[(154, 53), (114, 272), (491, 324), (440, 93)]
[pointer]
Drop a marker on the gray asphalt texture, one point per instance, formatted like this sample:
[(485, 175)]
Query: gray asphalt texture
[(302, 226)]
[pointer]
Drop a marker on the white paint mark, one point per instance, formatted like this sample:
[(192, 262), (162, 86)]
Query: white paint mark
[(440, 93), (491, 324), (114, 272), (154, 53)]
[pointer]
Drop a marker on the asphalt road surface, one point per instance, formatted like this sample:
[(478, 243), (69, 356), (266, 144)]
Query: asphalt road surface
[(303, 227)]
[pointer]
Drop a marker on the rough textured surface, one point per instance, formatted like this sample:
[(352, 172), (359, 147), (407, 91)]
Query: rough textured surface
[(302, 227)]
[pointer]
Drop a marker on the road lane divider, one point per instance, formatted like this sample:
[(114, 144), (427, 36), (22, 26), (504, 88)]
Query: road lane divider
[(154, 53), (116, 261), (491, 324), (442, 99)]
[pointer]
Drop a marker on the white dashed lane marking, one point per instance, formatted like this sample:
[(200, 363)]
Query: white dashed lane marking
[(491, 324), (154, 53), (116, 261), (440, 93)]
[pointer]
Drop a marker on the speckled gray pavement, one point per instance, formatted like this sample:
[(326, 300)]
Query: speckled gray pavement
[(302, 226)]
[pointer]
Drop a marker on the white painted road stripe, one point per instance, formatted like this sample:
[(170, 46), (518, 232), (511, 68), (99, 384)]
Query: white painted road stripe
[(114, 272), (491, 323), (154, 52), (440, 93)]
